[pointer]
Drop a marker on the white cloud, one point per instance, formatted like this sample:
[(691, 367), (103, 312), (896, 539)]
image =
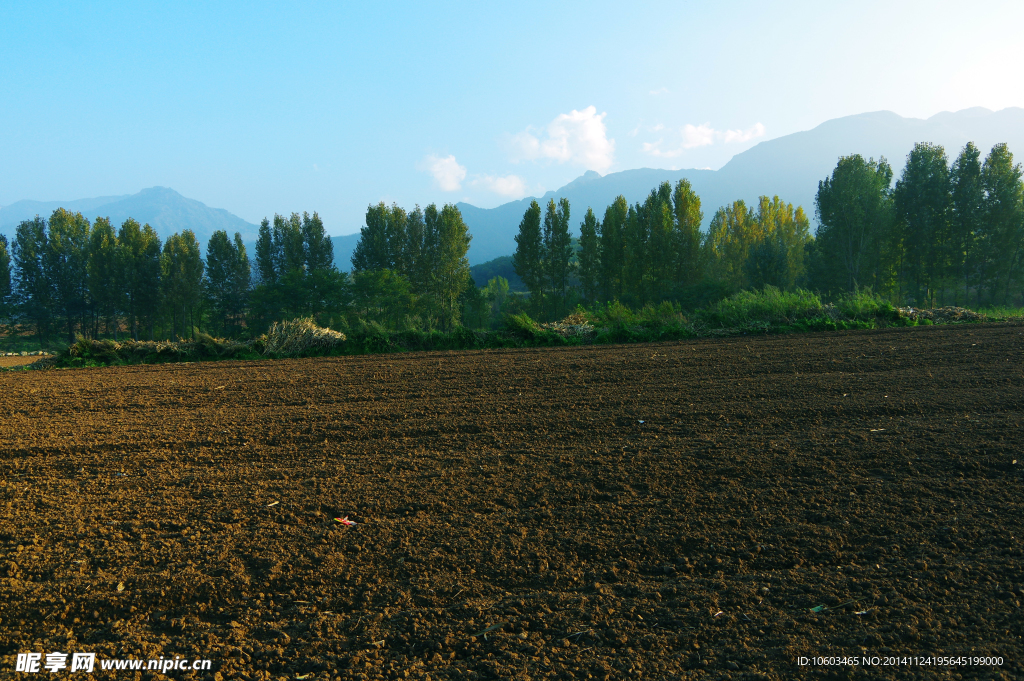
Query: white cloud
[(578, 137), (701, 136), (509, 185), (757, 130), (660, 91), (447, 172), (698, 135), (654, 149)]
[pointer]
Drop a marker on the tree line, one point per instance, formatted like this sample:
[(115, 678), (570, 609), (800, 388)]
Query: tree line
[(69, 276), (944, 233), (941, 233)]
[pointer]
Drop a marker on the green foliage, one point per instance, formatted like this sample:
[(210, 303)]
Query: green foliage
[(182, 267), (923, 205), (6, 290), (529, 256), (32, 297), (589, 257), (139, 266), (854, 207), (557, 249), (451, 268), (227, 280)]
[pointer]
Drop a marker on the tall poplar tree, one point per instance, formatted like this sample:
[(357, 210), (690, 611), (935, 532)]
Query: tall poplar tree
[(968, 213), (227, 276), (589, 257), (612, 248), (854, 210), (104, 274), (452, 272), (65, 266), (6, 291), (32, 290), (373, 250), (1004, 221), (140, 264), (922, 203), (687, 248), (528, 260), (557, 246)]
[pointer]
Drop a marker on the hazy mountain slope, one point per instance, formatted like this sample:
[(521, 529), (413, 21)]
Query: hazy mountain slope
[(789, 166), (165, 209)]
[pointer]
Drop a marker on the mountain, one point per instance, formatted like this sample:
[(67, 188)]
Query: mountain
[(789, 166), (164, 209)]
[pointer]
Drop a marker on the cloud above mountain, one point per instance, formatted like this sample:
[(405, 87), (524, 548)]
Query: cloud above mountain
[(577, 137), (511, 186), (446, 171), (703, 135)]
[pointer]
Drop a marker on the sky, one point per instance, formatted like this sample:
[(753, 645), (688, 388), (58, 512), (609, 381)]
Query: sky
[(264, 108)]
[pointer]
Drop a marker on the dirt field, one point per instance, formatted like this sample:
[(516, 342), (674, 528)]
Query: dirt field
[(647, 511), (16, 361)]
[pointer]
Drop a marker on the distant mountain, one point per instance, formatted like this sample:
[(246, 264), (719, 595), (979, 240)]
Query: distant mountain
[(164, 209), (789, 166)]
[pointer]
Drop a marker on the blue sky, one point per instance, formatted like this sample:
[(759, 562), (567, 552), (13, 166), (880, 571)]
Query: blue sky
[(274, 108)]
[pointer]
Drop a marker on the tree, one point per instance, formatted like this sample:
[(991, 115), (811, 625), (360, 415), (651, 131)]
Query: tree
[(635, 262), (528, 260), (381, 295), (687, 250), (496, 293), (140, 264), (182, 277), (227, 276), (6, 292), (612, 249), (968, 212), (317, 247), (266, 269), (777, 255), (1004, 221), (104, 273), (32, 291), (731, 234), (853, 207), (64, 265), (416, 250), (373, 251), (589, 257), (922, 203), (452, 273), (557, 251)]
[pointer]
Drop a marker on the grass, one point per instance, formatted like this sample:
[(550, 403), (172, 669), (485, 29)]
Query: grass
[(766, 311)]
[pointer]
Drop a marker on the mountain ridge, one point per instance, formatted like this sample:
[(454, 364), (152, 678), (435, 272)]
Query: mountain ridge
[(789, 166)]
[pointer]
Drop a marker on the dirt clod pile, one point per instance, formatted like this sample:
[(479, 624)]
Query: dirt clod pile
[(941, 315)]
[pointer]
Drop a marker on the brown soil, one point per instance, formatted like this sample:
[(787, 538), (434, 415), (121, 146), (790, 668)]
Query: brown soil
[(646, 511), (17, 361)]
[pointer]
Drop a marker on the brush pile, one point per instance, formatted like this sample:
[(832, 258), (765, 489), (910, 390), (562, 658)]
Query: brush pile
[(300, 337)]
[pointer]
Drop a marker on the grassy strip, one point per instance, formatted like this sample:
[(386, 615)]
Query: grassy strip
[(768, 311)]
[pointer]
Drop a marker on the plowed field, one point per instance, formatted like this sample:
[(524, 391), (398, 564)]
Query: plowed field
[(702, 509)]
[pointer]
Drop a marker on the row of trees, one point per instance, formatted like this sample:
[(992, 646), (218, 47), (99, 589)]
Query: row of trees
[(407, 262), (655, 250), (944, 233), (67, 274)]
